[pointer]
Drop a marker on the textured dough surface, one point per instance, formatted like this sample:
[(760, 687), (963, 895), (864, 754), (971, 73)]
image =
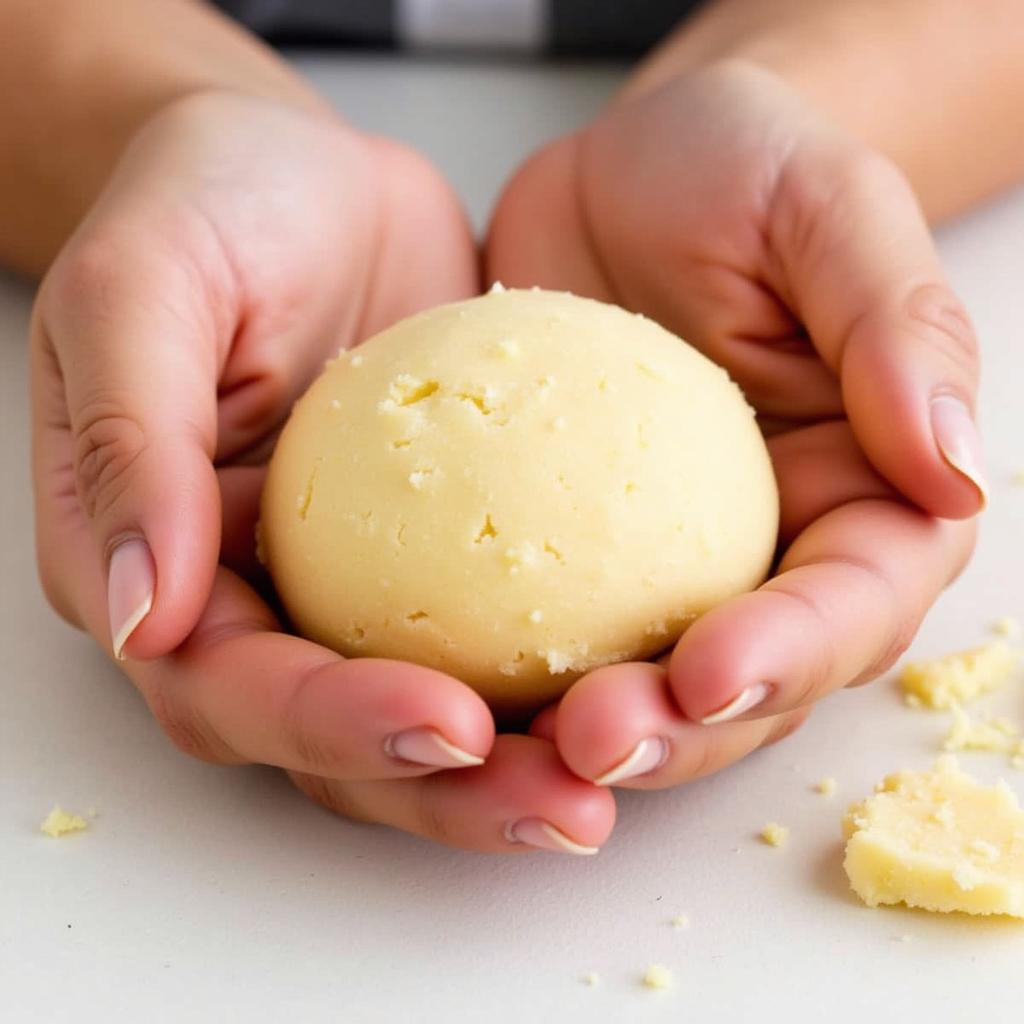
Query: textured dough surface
[(516, 489), (938, 840)]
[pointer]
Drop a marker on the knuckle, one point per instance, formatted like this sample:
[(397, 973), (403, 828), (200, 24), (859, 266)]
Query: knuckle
[(84, 274), (822, 655), (187, 729), (301, 743), (331, 795), (107, 444), (939, 319)]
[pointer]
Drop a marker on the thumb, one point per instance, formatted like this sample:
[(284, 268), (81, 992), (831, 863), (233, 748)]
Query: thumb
[(125, 391), (864, 277)]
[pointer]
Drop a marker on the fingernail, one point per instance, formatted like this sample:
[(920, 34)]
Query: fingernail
[(543, 835), (131, 583), (958, 440), (648, 754), (429, 747), (742, 702)]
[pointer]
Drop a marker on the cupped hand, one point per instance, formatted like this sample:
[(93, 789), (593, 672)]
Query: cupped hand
[(239, 244), (724, 207)]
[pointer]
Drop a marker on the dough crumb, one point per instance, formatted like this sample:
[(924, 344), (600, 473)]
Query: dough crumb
[(60, 823), (335, 404), (938, 840), (826, 786), (536, 616), (1006, 626), (913, 701), (509, 348), (592, 979), (680, 921), (966, 734), (356, 361), (961, 677), (774, 834), (658, 976), (497, 288)]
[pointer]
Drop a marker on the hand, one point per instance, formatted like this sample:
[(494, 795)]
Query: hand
[(239, 244), (723, 207)]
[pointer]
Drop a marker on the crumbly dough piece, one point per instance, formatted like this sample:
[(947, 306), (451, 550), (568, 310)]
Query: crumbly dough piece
[(959, 678), (826, 786), (998, 735), (658, 976), (517, 489), (774, 834), (938, 840), (60, 823)]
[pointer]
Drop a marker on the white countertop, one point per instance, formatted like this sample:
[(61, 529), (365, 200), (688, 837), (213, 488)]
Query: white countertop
[(219, 894)]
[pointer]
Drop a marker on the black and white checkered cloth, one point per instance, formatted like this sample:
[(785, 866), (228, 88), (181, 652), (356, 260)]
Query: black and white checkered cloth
[(583, 27)]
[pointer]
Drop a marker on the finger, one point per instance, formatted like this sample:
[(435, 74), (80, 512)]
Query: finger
[(543, 724), (520, 253), (124, 383), (850, 594), (521, 800), (240, 489), (621, 726), (239, 691), (860, 267), (818, 469)]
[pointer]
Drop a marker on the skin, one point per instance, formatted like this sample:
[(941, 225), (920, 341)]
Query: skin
[(283, 234), (723, 206)]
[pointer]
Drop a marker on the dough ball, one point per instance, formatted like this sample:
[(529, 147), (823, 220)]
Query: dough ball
[(516, 489)]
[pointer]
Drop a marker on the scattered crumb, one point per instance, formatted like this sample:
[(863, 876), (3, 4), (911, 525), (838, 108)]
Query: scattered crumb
[(658, 976), (558, 423), (59, 822), (774, 834), (960, 677), (827, 786), (509, 348), (1006, 626), (356, 361), (335, 404), (497, 288), (913, 701), (536, 615), (966, 734), (592, 979), (680, 921)]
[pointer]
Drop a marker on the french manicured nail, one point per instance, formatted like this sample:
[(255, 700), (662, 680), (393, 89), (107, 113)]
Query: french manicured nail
[(429, 747), (958, 440), (740, 704), (648, 754), (131, 584), (544, 836)]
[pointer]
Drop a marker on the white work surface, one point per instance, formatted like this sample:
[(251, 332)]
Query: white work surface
[(219, 894)]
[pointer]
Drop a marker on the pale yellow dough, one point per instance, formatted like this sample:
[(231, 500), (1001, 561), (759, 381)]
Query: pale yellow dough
[(61, 823), (516, 489), (961, 677), (938, 840)]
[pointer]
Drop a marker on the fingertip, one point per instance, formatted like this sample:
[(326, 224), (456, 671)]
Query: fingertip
[(607, 713)]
